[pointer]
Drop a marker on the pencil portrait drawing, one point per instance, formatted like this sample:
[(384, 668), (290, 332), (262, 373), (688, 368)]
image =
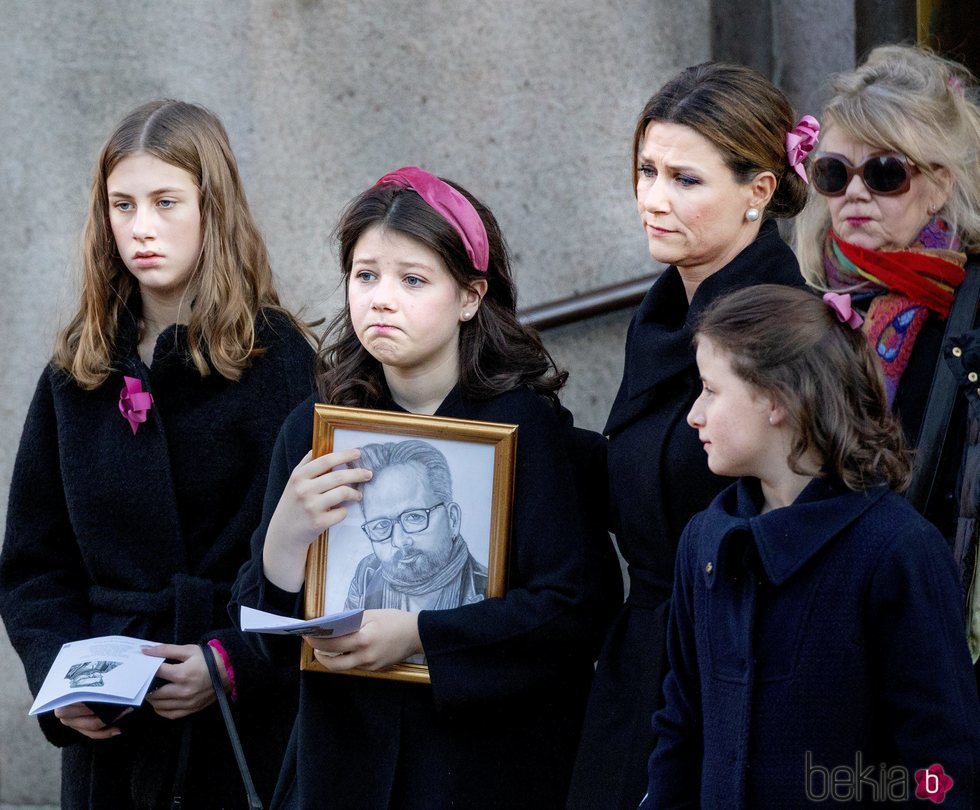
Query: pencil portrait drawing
[(419, 559), (431, 528)]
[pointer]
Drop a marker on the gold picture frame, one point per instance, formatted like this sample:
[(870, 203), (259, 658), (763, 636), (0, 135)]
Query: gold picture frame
[(481, 457)]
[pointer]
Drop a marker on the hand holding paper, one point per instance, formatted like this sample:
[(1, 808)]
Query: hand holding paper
[(108, 669), (339, 624)]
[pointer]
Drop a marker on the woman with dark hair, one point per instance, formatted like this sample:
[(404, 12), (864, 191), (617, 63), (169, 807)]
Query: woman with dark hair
[(430, 327), (142, 465), (717, 158)]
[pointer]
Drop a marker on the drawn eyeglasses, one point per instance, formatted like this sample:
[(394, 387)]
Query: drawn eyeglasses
[(412, 521)]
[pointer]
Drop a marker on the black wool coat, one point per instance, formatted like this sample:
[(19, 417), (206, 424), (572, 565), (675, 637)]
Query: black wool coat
[(658, 479), (142, 535), (954, 504), (911, 398), (499, 724)]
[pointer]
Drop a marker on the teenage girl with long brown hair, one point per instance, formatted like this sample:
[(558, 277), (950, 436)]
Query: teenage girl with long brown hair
[(142, 465)]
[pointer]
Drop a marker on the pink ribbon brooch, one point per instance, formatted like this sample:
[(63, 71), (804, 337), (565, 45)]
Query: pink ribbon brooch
[(800, 141), (841, 305), (134, 402)]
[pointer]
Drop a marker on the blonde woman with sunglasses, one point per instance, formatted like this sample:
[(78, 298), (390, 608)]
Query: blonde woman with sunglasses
[(894, 218)]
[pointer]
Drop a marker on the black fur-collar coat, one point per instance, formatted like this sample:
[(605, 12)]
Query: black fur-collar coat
[(142, 535)]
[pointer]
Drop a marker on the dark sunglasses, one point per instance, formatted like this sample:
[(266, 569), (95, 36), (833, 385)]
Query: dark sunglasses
[(881, 174)]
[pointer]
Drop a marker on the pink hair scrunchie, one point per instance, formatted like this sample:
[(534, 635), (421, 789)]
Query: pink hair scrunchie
[(840, 303), (451, 206), (800, 141)]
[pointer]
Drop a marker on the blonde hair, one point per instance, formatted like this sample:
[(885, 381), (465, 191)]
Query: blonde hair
[(907, 100), (232, 280)]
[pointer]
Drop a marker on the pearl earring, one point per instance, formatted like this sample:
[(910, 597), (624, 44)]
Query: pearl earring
[(466, 316), (752, 214)]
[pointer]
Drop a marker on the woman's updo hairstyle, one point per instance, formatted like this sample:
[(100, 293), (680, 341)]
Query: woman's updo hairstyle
[(743, 114), (908, 100)]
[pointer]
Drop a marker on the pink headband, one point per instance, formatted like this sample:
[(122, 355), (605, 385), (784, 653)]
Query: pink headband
[(841, 306), (451, 206), (800, 141)]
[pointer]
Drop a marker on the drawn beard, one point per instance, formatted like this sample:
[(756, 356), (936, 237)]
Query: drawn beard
[(420, 566)]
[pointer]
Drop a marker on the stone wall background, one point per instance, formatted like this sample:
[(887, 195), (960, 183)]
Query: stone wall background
[(529, 105)]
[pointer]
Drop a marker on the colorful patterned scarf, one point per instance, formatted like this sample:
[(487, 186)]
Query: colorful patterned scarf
[(899, 289)]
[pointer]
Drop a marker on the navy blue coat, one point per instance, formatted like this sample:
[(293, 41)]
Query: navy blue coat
[(110, 533), (658, 479), (807, 638), (499, 724)]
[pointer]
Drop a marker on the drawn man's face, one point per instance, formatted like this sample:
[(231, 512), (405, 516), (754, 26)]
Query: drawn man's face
[(410, 556)]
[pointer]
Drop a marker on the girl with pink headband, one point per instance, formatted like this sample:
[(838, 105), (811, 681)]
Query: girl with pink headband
[(430, 327)]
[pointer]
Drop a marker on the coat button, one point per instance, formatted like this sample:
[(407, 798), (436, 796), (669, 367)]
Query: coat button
[(957, 351), (972, 376), (709, 568)]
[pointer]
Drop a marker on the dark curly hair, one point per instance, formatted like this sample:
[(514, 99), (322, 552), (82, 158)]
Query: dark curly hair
[(496, 352), (789, 344)]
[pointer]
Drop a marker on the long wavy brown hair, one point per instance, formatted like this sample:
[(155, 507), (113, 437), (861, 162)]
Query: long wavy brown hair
[(232, 280), (496, 352), (788, 344)]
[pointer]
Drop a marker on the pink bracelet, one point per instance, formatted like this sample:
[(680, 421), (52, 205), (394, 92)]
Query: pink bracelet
[(219, 648)]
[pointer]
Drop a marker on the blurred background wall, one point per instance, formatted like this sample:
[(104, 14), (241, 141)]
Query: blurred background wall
[(528, 104)]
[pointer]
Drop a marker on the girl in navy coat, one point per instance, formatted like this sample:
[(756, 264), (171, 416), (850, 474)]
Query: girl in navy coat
[(142, 466), (814, 636), (430, 327)]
